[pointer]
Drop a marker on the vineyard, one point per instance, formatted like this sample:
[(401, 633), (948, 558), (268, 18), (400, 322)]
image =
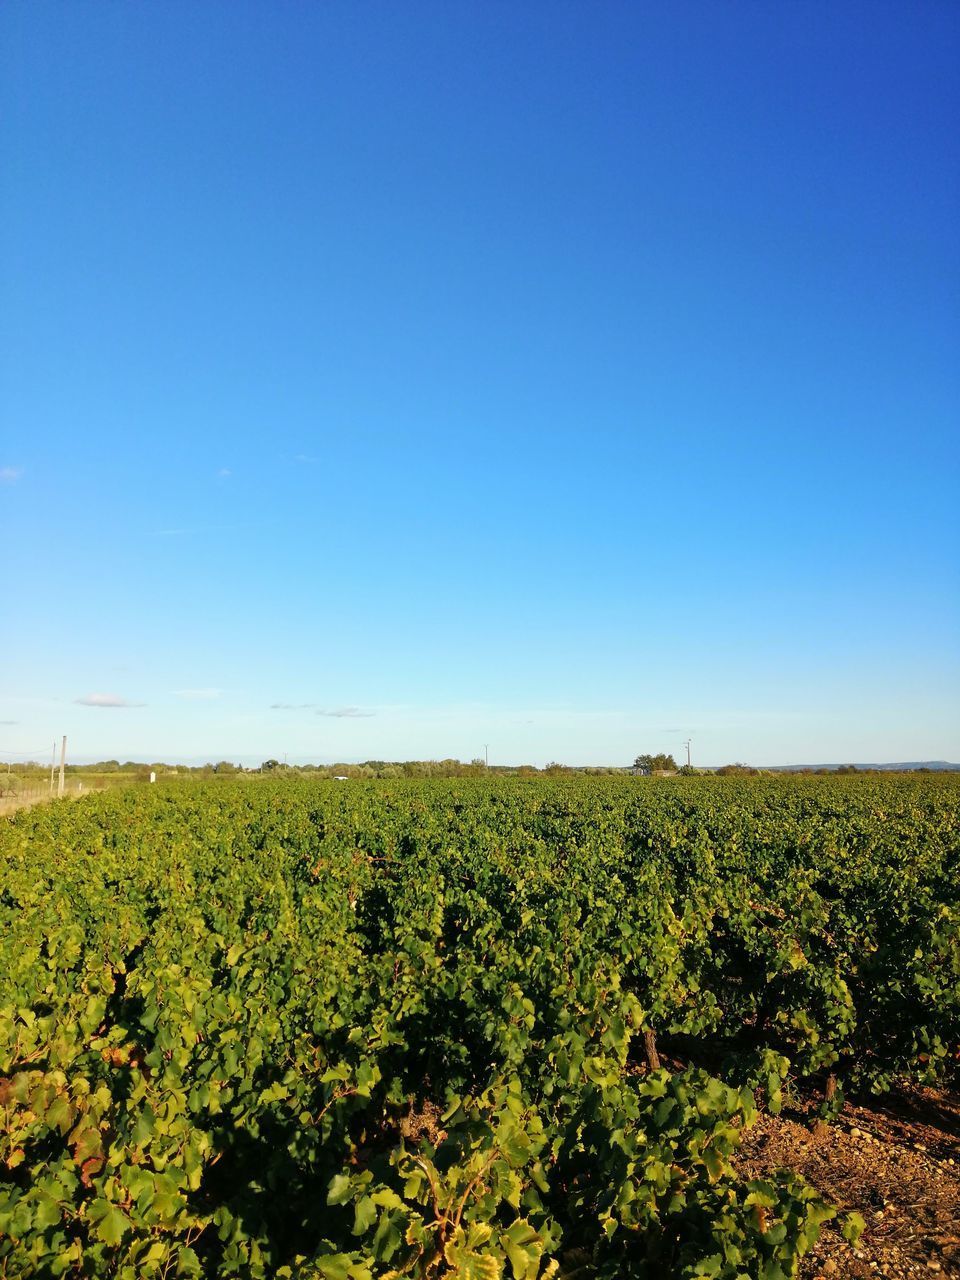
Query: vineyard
[(468, 1029)]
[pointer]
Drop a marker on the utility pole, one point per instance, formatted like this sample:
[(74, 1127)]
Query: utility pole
[(63, 761), (687, 745), (486, 755), (53, 764)]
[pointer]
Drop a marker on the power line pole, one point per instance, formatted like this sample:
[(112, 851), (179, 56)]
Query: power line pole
[(687, 745), (63, 761), (53, 764), (486, 755)]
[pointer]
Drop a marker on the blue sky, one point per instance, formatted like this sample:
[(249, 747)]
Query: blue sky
[(384, 381)]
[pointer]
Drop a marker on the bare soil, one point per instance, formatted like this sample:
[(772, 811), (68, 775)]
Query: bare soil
[(895, 1161)]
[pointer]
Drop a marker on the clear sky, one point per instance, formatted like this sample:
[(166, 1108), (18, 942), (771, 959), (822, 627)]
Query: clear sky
[(387, 380)]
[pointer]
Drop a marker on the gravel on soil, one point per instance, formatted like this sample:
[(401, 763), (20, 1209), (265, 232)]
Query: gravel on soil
[(896, 1162)]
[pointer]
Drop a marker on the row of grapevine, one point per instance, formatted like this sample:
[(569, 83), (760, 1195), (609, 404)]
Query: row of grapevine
[(304, 1030)]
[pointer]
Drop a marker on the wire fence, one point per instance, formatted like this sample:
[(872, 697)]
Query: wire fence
[(36, 794)]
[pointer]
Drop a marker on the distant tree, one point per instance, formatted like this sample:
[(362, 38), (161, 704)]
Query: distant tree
[(268, 766), (656, 764)]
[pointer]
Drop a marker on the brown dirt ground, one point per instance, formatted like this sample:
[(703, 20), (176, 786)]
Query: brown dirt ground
[(895, 1161)]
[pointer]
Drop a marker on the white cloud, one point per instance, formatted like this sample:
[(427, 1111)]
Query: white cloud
[(346, 713), (223, 473), (292, 706), (106, 700), (10, 475), (198, 695)]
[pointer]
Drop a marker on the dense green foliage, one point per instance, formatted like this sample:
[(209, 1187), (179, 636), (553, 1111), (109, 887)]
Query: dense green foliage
[(370, 1030), (655, 764)]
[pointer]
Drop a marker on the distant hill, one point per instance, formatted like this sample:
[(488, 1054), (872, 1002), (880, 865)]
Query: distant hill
[(905, 766)]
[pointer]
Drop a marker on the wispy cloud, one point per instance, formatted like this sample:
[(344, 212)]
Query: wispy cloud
[(223, 473), (106, 700), (9, 721), (10, 475), (345, 713), (292, 706), (305, 457), (198, 695)]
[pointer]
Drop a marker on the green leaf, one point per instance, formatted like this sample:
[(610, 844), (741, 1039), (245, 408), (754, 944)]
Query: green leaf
[(112, 1225), (714, 1162), (47, 1212), (60, 1114), (340, 1189), (188, 1264), (852, 1227), (364, 1216), (335, 1266), (711, 1266), (523, 1247)]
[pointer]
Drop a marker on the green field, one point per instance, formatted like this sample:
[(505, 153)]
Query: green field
[(460, 1028)]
